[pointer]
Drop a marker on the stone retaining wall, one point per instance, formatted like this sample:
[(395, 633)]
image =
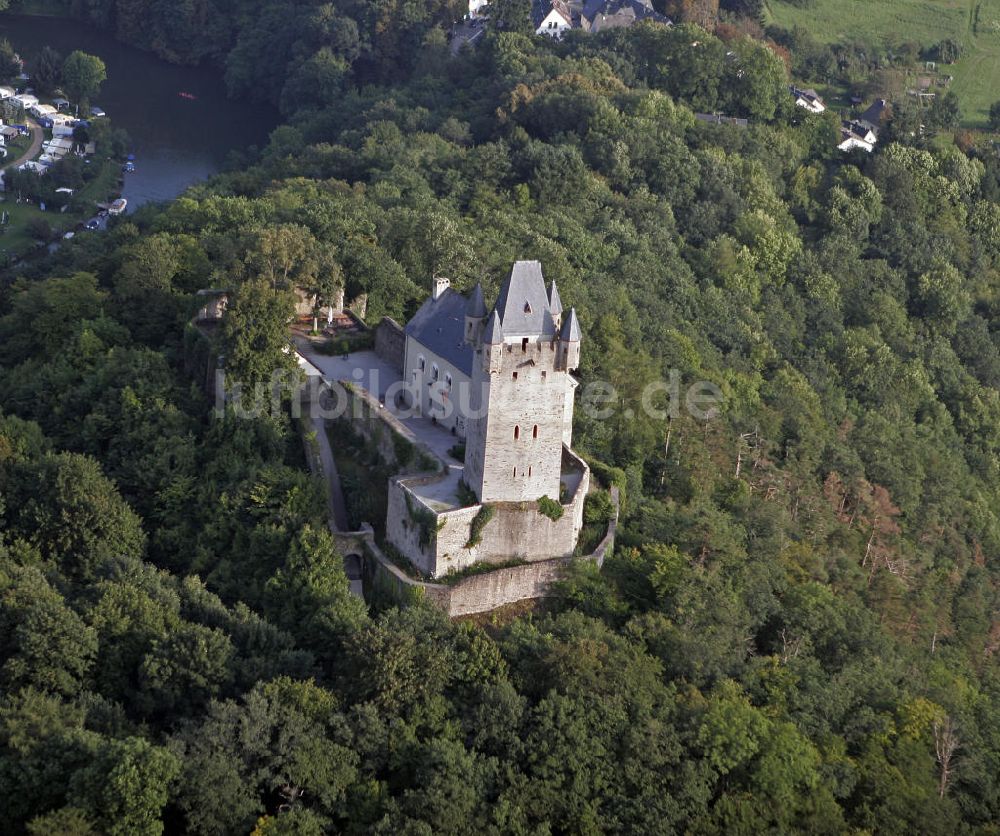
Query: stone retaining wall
[(390, 343), (481, 592)]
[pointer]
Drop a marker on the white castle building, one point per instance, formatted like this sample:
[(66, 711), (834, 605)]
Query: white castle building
[(501, 380)]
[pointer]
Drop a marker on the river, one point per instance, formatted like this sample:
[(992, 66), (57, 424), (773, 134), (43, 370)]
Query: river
[(176, 141)]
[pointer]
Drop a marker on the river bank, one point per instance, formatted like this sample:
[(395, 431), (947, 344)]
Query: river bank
[(178, 140)]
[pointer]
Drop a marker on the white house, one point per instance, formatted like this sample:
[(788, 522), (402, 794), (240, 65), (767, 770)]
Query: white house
[(551, 18), (42, 111), (440, 338), (476, 7), (6, 93), (857, 135), (808, 99), (26, 100)]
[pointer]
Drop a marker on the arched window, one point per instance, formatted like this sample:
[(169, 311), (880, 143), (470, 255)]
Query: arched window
[(421, 362), (434, 372), (517, 433), (447, 381), (534, 431)]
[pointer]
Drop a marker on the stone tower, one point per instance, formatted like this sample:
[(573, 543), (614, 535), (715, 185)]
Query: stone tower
[(521, 392)]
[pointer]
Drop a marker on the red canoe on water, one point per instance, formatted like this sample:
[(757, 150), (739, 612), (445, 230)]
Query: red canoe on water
[(187, 95)]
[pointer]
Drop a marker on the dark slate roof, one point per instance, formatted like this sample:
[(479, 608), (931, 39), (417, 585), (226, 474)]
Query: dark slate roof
[(476, 306), (571, 328), (873, 115), (523, 304), (439, 325), (494, 333), (555, 303), (719, 119), (613, 14), (540, 10)]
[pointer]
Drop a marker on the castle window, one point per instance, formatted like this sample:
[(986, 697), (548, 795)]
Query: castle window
[(529, 469), (515, 472), (543, 375), (527, 307), (434, 372), (534, 431), (517, 433), (524, 344), (421, 362), (513, 376), (447, 380)]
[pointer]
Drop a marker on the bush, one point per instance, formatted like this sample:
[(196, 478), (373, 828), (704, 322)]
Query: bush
[(466, 495), (550, 508), (995, 116), (598, 509), (403, 448), (947, 51), (39, 229), (477, 525)]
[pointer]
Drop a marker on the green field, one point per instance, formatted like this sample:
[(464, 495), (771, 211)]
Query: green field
[(975, 24), (15, 241)]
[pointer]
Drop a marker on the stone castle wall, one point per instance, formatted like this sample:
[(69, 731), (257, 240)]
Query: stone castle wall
[(513, 452), (390, 342), (437, 543), (482, 592)]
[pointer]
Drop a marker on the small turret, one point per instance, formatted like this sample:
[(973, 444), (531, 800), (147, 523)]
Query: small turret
[(492, 344), (569, 342), (475, 316), (555, 304)]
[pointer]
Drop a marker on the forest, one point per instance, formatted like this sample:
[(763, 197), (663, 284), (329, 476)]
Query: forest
[(798, 630)]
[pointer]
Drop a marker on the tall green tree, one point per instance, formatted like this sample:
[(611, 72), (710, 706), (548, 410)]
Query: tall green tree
[(255, 331), (83, 75), (47, 71)]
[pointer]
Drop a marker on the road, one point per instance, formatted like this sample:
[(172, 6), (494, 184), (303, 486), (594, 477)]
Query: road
[(37, 138)]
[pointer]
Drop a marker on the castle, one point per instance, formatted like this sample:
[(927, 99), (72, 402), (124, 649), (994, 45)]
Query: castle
[(501, 380)]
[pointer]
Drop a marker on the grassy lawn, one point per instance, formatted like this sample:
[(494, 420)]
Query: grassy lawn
[(14, 237), (975, 24), (103, 187), (16, 147)]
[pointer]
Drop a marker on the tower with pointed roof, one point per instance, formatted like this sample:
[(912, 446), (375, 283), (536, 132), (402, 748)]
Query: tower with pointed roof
[(521, 399)]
